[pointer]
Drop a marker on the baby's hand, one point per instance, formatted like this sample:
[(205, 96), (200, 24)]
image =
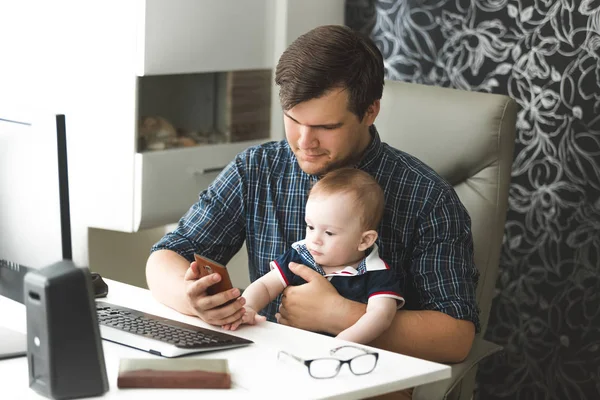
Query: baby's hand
[(250, 317)]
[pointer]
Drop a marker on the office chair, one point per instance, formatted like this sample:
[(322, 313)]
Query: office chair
[(468, 138)]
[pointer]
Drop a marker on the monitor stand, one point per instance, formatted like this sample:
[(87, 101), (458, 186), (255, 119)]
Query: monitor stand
[(12, 343)]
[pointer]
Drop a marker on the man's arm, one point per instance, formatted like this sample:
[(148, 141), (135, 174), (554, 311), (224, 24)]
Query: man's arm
[(176, 283), (214, 227), (377, 318), (430, 335), (165, 270)]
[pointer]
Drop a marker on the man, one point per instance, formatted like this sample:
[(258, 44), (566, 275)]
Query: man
[(331, 82)]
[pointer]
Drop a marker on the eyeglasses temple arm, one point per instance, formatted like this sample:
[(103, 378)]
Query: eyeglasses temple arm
[(333, 351), (290, 355)]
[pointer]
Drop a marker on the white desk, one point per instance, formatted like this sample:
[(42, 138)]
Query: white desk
[(255, 370)]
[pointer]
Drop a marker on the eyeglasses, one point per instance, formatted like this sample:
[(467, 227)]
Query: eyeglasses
[(323, 368)]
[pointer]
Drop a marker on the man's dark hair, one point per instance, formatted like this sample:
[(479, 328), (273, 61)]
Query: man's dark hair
[(327, 57)]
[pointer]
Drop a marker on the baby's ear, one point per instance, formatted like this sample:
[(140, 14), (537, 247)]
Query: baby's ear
[(367, 240)]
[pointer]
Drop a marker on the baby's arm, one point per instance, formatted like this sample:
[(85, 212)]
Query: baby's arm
[(379, 316), (260, 293)]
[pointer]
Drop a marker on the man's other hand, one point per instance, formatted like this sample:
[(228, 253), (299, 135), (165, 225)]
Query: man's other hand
[(211, 309), (311, 306)]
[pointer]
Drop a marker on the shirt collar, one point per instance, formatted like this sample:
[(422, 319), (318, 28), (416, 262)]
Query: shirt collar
[(372, 262), (373, 151)]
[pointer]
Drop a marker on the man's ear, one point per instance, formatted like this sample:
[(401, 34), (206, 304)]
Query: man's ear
[(372, 113), (367, 240)]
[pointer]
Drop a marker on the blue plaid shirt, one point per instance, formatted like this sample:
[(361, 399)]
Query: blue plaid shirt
[(425, 234)]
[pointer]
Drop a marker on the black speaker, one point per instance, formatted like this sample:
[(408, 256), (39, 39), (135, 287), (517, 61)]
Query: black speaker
[(64, 348)]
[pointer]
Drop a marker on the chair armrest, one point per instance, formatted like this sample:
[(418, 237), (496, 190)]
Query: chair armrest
[(441, 389)]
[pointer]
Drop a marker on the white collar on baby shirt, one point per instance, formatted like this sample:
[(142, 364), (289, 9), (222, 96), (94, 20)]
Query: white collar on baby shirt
[(372, 262)]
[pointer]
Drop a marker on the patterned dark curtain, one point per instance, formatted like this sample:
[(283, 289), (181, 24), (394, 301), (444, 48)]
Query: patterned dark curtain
[(546, 55)]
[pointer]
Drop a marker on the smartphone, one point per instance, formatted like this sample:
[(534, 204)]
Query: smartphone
[(207, 267)]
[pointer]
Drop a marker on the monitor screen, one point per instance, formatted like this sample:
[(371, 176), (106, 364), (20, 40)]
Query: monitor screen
[(30, 220)]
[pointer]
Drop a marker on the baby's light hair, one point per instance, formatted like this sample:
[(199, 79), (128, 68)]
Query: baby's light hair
[(366, 193)]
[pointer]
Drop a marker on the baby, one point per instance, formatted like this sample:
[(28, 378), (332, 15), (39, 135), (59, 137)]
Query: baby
[(343, 211)]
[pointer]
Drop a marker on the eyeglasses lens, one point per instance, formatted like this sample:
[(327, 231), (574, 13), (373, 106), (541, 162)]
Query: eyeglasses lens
[(324, 368), (363, 364)]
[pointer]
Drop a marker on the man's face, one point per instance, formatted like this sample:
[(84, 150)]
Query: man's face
[(324, 134), (333, 230)]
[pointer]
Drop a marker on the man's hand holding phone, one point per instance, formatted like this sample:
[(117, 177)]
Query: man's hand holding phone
[(210, 293)]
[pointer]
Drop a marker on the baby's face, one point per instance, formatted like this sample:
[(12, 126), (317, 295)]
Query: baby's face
[(333, 230)]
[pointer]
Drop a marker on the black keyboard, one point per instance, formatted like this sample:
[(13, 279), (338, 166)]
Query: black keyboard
[(11, 280), (159, 335)]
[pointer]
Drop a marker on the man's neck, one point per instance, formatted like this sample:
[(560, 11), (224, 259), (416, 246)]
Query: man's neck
[(363, 146)]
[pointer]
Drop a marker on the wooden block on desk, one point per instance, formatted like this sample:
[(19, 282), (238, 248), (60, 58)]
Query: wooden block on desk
[(190, 373)]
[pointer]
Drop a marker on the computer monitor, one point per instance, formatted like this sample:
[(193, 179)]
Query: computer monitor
[(34, 206)]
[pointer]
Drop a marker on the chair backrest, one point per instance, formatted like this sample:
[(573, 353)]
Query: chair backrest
[(468, 138)]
